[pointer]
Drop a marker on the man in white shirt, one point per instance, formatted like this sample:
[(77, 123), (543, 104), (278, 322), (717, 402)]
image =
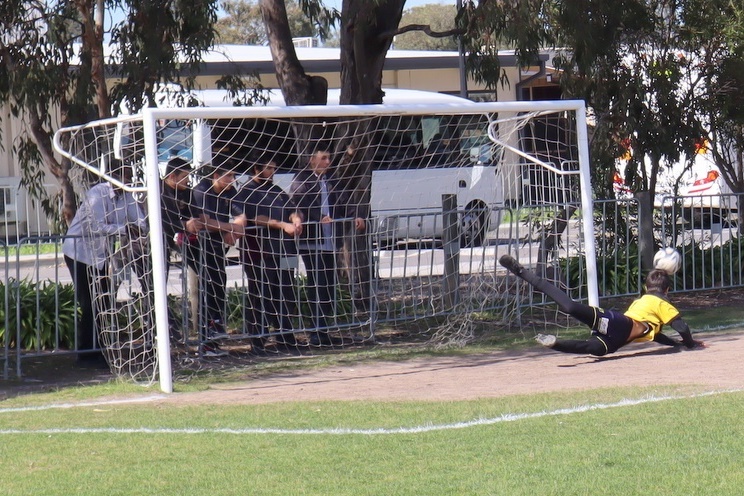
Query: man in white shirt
[(105, 211)]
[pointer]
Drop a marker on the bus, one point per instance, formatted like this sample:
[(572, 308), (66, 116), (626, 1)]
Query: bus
[(417, 160)]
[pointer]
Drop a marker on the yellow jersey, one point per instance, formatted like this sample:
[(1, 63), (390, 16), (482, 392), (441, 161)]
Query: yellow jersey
[(654, 311)]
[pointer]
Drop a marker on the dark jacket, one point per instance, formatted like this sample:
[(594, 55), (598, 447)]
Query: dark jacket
[(305, 193), (270, 200), (214, 205), (178, 207)]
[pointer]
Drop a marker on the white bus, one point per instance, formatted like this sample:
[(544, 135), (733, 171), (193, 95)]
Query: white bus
[(419, 158)]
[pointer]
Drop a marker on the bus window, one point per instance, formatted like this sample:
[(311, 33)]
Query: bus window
[(175, 138)]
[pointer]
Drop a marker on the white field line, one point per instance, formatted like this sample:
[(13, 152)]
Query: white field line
[(63, 406), (508, 417)]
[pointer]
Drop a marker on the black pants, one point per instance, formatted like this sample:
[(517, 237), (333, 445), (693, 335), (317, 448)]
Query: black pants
[(610, 329), (321, 285), (207, 259), (89, 284), (271, 297)]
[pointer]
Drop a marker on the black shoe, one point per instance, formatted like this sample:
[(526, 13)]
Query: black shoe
[(215, 330), (175, 335), (323, 339), (258, 347), (511, 265)]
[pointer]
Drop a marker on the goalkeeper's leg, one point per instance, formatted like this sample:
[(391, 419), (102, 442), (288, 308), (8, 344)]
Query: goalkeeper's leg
[(584, 313)]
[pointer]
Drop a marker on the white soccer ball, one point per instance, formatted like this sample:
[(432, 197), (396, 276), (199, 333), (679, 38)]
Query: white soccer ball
[(668, 259)]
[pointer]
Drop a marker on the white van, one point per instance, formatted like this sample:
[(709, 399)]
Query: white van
[(406, 194)]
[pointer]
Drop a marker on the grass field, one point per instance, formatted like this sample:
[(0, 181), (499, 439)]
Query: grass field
[(661, 441), (675, 439)]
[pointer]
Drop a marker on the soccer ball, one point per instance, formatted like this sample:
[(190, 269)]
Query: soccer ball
[(668, 259)]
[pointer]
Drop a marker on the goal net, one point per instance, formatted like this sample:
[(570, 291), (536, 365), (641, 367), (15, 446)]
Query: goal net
[(404, 222)]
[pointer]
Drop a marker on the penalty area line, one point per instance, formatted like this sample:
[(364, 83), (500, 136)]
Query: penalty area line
[(63, 406), (510, 417)]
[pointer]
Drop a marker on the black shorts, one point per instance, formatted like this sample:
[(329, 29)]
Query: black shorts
[(612, 328)]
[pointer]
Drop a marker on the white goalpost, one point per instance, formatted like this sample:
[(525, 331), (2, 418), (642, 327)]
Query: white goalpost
[(392, 165)]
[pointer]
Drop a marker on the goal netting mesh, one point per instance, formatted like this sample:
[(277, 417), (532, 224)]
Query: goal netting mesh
[(441, 192)]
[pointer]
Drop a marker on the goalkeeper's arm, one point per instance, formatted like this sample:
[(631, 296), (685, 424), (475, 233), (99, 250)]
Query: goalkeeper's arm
[(665, 340), (683, 329)]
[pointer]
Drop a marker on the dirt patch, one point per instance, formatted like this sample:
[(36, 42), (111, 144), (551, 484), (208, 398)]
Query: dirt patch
[(491, 375), (486, 375)]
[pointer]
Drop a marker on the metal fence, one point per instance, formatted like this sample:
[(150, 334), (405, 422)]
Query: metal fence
[(408, 278)]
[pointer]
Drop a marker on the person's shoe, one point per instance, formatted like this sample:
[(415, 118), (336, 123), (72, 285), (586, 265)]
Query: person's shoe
[(511, 264), (258, 347), (175, 335), (212, 351), (216, 330), (323, 339), (547, 340)]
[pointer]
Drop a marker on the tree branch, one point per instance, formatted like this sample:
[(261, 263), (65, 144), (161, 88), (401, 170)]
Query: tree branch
[(420, 27)]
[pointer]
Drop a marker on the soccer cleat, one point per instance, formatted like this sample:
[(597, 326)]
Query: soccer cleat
[(511, 264), (320, 339), (547, 340)]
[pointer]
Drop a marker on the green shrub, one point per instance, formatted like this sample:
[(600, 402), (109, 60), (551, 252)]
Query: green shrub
[(718, 266), (43, 308), (617, 273), (710, 267)]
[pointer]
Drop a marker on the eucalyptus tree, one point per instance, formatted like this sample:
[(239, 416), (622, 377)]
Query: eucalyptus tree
[(242, 22), (55, 56), (658, 76), (367, 29), (437, 18)]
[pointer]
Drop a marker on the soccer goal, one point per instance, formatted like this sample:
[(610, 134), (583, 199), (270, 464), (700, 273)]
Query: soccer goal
[(451, 171)]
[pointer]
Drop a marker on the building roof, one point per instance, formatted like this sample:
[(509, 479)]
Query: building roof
[(245, 59), (227, 59)]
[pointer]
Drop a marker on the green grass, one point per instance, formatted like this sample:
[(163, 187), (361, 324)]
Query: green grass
[(13, 251), (687, 445), (681, 446)]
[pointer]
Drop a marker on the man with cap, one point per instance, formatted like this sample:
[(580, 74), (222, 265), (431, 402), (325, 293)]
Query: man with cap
[(182, 221)]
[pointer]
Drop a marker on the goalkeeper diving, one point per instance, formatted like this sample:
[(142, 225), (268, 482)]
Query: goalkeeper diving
[(611, 330)]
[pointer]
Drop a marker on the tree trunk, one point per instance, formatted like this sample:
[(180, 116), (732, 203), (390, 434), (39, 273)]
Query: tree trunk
[(646, 229), (363, 54), (297, 87), (363, 51), (92, 14), (60, 171)]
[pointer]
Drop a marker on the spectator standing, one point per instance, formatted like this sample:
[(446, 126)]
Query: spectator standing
[(316, 196), (213, 196), (106, 211), (182, 221), (269, 255)]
